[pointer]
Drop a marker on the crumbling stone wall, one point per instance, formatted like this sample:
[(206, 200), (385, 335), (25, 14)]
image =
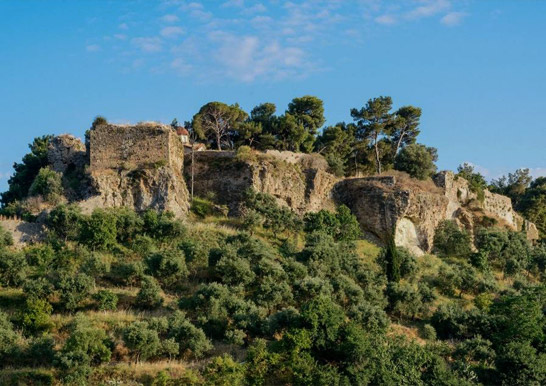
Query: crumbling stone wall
[(133, 147), (137, 166)]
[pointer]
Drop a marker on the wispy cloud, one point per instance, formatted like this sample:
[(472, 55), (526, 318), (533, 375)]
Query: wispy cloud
[(386, 19), (266, 40), (92, 48), (428, 8), (171, 31), (147, 44), (170, 18), (453, 18)]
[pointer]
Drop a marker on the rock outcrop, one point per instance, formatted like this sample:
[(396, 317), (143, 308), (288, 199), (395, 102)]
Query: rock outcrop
[(411, 209), (299, 181)]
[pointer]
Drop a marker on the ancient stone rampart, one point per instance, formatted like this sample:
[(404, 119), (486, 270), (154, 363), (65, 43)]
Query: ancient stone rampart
[(134, 147)]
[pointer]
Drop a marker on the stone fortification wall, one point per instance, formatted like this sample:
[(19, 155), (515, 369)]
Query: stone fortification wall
[(134, 147)]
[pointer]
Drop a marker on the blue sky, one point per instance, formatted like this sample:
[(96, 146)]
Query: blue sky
[(475, 67)]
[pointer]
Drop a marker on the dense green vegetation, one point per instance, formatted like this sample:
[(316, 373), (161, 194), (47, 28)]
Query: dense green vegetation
[(281, 299)]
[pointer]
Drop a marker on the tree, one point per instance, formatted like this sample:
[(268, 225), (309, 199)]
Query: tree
[(6, 239), (47, 184), (99, 231), (169, 266), (476, 181), (405, 127), (216, 122), (373, 122), (106, 300), (308, 112), (533, 205), (65, 221), (337, 143), (142, 340), (26, 172), (449, 240), (149, 295), (36, 315), (513, 186), (417, 160), (74, 289), (85, 346)]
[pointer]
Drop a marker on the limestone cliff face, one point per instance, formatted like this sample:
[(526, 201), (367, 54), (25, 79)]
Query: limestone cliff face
[(299, 181), (413, 209)]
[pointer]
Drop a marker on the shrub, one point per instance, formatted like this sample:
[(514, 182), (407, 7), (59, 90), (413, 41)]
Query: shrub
[(35, 317), (8, 338), (143, 341), (149, 295), (188, 337), (65, 221), (73, 290), (342, 225), (99, 231), (429, 333), (5, 238), (245, 154), (86, 346), (449, 240), (168, 266), (106, 300), (47, 184), (417, 160), (224, 371), (13, 268)]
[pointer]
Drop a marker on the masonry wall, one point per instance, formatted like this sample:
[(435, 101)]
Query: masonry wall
[(134, 147)]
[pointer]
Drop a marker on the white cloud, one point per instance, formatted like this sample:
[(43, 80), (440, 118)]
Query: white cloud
[(429, 8), (123, 26), (120, 36), (147, 44), (386, 19), (171, 31), (249, 57), (180, 66), (92, 48), (234, 3), (169, 18), (453, 18)]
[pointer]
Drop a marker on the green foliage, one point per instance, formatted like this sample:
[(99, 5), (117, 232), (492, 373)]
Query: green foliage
[(224, 371), (168, 266), (533, 205), (86, 346), (374, 121), (13, 268), (149, 295), (5, 238), (215, 122), (203, 208), (476, 181), (36, 315), (8, 338), (106, 300), (342, 225), (519, 364), (276, 218), (73, 289), (141, 340), (449, 240), (417, 160), (47, 184), (26, 172), (99, 231)]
